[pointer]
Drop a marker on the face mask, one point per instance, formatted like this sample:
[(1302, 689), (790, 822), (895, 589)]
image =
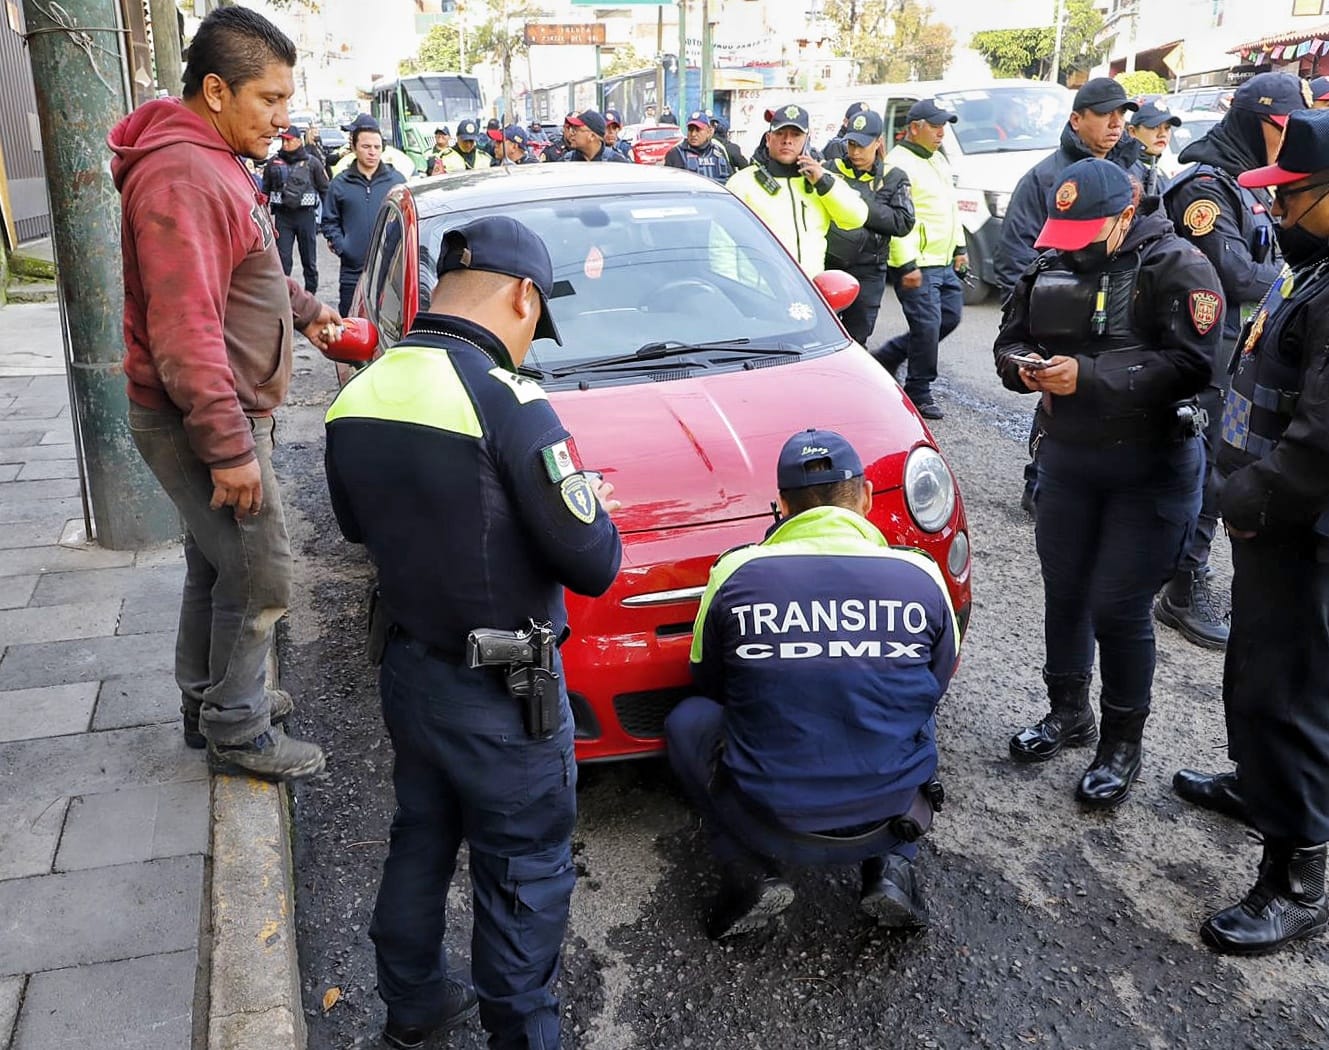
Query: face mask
[(1087, 259), (1297, 243)]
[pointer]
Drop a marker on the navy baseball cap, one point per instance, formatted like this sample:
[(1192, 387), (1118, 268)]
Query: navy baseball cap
[(927, 109), (787, 117), (468, 131), (855, 109), (589, 118), (719, 123), (613, 116), (1151, 115), (362, 122), (803, 460), (1087, 192), (1319, 89), (1102, 95), (516, 133), (1272, 95), (443, 129), (1305, 151), (501, 244), (295, 131), (864, 128), (700, 118)]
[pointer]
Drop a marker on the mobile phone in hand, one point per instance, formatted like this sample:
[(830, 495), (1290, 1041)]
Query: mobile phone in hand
[(1033, 364)]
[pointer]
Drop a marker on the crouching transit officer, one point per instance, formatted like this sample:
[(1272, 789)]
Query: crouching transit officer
[(1273, 472), (1115, 327), (821, 655), (439, 446)]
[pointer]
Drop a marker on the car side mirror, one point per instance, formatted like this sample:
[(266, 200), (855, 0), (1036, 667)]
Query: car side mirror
[(357, 342), (838, 288)]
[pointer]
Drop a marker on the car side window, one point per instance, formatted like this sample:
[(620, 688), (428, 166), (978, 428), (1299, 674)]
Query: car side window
[(896, 124), (385, 291)]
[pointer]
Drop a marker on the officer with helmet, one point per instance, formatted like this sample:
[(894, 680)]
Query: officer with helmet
[(1273, 482), (1232, 226), (1114, 325)]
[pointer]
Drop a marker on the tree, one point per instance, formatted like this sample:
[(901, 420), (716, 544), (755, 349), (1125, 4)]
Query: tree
[(625, 59), (890, 39), (1028, 52), (439, 50), (1142, 82), (500, 36)]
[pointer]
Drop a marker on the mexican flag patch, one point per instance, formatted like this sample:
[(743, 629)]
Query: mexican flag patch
[(561, 460)]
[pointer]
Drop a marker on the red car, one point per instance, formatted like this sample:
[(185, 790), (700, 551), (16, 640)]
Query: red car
[(693, 347), (653, 141)]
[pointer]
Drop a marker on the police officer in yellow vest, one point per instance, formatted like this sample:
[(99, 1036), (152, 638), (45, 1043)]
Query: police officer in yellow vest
[(457, 475), (465, 156), (793, 194)]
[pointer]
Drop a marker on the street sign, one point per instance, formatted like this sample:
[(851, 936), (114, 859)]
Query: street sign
[(575, 33)]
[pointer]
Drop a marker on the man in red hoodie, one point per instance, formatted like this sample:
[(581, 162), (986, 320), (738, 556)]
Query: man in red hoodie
[(208, 327)]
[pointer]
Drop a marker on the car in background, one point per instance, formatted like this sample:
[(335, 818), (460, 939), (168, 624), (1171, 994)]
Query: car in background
[(335, 144), (652, 141), (1193, 126), (693, 346), (1199, 100)]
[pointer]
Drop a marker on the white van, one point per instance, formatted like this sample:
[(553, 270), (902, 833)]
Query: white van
[(1005, 127)]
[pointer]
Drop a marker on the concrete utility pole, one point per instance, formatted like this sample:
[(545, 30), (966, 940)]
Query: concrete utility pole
[(81, 92), (681, 110), (707, 64), (166, 46), (1056, 45)]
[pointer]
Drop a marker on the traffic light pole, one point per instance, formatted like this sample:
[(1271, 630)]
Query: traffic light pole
[(78, 68)]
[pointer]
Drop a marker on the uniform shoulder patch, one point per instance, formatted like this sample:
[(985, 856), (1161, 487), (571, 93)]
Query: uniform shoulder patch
[(523, 389), (1201, 216), (1204, 307), (561, 460), (578, 498)]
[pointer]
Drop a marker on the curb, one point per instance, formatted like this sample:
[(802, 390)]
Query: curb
[(255, 969)]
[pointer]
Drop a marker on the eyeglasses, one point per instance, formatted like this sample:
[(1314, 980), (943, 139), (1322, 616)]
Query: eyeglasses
[(1282, 193)]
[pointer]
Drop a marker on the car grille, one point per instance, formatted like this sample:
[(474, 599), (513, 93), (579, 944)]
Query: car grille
[(643, 714)]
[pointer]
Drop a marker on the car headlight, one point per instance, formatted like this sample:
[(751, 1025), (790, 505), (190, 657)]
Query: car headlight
[(929, 489), (997, 202)]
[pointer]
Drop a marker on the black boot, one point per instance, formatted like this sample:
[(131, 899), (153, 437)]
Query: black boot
[(1108, 780), (1220, 792), (1188, 605), (1286, 903), (1069, 723), (748, 899), (457, 1006), (890, 893)]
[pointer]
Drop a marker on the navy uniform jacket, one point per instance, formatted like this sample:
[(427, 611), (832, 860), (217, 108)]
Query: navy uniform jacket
[(1028, 207), (458, 476), (1232, 226), (830, 651)]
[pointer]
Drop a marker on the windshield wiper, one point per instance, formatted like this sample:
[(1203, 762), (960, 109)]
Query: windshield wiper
[(673, 348), (535, 372)]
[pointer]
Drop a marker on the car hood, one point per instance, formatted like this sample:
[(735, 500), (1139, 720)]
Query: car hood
[(697, 451), (994, 171)]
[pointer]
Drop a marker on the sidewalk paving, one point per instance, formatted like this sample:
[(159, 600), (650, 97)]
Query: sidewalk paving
[(118, 926)]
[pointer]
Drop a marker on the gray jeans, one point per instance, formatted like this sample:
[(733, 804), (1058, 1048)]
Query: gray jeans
[(237, 579)]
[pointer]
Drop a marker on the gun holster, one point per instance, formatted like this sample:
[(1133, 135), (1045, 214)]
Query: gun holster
[(913, 824), (530, 679), (379, 627)]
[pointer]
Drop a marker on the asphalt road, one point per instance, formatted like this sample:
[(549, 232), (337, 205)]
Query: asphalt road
[(1050, 927)]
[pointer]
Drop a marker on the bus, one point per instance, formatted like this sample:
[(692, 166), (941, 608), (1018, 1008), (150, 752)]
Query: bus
[(409, 108)]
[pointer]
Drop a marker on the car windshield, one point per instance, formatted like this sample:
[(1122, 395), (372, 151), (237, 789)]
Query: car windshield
[(658, 134), (1008, 119), (1189, 131), (635, 270)]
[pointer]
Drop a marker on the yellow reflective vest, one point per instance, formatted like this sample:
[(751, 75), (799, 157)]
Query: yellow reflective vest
[(937, 231)]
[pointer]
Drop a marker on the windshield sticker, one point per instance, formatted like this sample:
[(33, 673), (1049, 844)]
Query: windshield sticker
[(662, 213), (594, 265), (800, 311)]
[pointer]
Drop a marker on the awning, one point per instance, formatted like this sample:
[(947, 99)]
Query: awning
[(1315, 39)]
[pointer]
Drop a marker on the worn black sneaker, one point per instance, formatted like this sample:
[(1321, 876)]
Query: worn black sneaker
[(282, 707), (459, 1006), (930, 410), (890, 893), (747, 901), (270, 756)]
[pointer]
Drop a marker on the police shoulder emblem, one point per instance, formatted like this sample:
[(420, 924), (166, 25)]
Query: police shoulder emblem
[(1204, 307), (578, 498), (1201, 216), (1067, 193), (860, 122)]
